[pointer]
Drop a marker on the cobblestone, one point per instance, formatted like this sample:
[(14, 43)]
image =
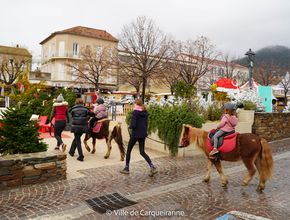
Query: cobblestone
[(177, 187)]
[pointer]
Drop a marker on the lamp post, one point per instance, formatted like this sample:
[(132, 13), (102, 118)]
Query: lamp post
[(250, 55)]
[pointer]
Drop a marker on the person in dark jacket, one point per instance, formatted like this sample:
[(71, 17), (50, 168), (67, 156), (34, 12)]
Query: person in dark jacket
[(80, 116), (139, 124), (60, 114)]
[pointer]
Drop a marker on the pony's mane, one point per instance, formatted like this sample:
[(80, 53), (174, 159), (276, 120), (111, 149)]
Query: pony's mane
[(198, 137)]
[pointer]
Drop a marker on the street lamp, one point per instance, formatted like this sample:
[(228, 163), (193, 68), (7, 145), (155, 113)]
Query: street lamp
[(250, 55)]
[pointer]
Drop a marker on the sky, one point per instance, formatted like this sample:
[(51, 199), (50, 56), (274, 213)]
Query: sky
[(233, 26)]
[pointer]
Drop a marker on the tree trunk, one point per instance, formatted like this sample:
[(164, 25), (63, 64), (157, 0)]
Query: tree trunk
[(137, 92), (144, 82), (285, 98)]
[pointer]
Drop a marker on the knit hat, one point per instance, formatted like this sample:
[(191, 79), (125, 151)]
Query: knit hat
[(230, 106), (100, 101), (60, 98)]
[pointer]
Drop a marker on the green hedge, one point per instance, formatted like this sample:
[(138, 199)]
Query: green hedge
[(167, 122)]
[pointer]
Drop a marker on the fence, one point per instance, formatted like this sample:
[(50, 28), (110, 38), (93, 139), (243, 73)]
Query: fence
[(119, 109)]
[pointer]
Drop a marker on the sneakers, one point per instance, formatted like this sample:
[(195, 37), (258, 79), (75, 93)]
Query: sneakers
[(63, 146), (213, 152), (125, 171), (153, 171)]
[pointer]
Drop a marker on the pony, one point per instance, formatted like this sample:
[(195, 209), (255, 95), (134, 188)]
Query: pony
[(254, 152), (109, 130)]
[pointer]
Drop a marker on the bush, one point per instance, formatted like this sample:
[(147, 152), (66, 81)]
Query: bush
[(214, 112), (168, 121), (19, 134), (248, 105)]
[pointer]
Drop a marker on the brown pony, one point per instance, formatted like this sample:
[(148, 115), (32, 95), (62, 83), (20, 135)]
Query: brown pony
[(110, 130), (253, 151)]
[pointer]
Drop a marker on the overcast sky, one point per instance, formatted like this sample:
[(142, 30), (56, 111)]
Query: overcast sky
[(233, 26)]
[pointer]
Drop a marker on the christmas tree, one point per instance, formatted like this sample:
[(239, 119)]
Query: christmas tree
[(18, 133)]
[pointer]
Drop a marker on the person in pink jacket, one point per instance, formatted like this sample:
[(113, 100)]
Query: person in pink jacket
[(227, 124), (100, 112)]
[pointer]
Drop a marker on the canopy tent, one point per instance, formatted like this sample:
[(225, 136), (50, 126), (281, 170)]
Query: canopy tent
[(255, 85), (226, 85)]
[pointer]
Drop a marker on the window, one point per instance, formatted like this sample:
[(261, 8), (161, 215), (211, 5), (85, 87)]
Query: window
[(49, 51), (61, 72), (61, 49), (98, 50), (75, 49), (110, 52), (74, 74)]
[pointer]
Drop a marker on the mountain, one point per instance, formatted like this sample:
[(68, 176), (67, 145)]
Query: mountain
[(278, 55)]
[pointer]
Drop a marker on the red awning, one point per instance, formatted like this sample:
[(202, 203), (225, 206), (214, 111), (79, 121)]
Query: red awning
[(226, 83)]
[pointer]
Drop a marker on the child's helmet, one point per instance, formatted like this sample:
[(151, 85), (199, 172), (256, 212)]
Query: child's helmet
[(230, 106)]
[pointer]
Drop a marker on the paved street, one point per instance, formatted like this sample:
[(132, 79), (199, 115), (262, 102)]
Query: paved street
[(177, 189)]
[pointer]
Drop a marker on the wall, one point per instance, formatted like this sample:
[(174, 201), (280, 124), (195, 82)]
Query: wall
[(272, 126), (23, 169)]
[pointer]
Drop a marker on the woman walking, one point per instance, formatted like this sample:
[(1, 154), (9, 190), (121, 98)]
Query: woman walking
[(60, 114), (80, 116), (139, 124)]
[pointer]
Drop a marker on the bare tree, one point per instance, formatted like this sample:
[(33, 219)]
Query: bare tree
[(94, 65), (194, 58), (232, 70), (145, 47), (229, 67), (12, 68), (131, 79), (285, 83), (267, 73), (167, 77)]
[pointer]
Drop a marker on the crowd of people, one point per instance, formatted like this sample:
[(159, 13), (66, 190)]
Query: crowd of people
[(83, 121)]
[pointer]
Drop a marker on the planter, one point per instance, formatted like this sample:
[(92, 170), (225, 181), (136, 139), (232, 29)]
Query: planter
[(246, 116), (33, 168)]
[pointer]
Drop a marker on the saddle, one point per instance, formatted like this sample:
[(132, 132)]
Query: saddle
[(226, 143), (98, 125)]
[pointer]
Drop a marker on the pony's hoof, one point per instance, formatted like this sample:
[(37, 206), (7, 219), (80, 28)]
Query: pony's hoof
[(93, 151), (260, 189), (88, 149), (106, 157), (245, 183), (224, 185), (122, 159), (205, 179)]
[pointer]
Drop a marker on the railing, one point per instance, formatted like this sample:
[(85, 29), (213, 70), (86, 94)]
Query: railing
[(119, 109)]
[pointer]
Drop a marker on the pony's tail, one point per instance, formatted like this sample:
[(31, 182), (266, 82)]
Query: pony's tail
[(266, 161), (119, 139)]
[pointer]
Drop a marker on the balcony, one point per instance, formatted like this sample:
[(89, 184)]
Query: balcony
[(59, 56)]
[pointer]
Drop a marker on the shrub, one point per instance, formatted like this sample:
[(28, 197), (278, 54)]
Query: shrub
[(19, 134), (214, 112), (168, 121), (248, 105)]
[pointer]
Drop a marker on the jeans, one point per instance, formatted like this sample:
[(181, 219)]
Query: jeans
[(131, 144), (216, 136), (58, 129), (77, 144)]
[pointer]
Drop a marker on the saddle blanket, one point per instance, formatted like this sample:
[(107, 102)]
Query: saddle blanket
[(98, 126), (228, 144)]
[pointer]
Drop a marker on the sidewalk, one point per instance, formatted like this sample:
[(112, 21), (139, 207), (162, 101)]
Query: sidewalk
[(97, 159)]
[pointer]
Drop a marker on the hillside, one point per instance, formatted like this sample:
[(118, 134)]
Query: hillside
[(279, 55)]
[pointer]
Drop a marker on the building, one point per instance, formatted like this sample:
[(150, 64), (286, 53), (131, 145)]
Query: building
[(14, 62), (216, 69), (65, 47)]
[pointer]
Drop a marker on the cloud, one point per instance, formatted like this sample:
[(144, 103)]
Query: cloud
[(234, 26)]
